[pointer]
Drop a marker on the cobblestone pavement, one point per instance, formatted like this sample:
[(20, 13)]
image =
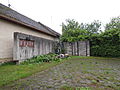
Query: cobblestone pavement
[(74, 73)]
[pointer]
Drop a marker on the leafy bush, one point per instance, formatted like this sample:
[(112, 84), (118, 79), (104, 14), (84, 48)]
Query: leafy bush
[(42, 58), (106, 44)]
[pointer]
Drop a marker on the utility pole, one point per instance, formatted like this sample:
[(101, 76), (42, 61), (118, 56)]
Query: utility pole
[(9, 5), (51, 21)]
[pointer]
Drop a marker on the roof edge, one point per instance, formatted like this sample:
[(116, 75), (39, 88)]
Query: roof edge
[(24, 24)]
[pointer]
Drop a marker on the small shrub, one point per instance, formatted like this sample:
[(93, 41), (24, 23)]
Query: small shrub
[(42, 58)]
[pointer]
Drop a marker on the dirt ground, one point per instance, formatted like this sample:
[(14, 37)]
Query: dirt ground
[(94, 74)]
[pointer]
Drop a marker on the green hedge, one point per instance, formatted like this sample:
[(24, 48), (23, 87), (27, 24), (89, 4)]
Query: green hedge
[(106, 44)]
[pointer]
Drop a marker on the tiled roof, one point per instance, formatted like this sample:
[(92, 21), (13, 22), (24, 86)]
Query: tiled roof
[(8, 12)]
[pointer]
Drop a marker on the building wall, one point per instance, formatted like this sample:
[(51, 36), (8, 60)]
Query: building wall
[(7, 30), (28, 46)]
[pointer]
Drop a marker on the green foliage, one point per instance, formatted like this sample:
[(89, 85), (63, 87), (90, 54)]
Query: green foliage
[(42, 58), (8, 63), (72, 32), (71, 24), (74, 35), (93, 27), (106, 44), (113, 24), (63, 50)]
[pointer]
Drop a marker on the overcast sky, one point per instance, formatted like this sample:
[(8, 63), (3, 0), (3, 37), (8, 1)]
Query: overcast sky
[(53, 12)]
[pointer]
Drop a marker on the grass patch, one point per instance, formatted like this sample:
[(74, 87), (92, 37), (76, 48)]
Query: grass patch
[(10, 73), (91, 57), (99, 71), (74, 88)]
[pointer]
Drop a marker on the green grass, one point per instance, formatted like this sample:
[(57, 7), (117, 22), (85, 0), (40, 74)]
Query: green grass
[(91, 57), (103, 69), (74, 88), (80, 88), (10, 73)]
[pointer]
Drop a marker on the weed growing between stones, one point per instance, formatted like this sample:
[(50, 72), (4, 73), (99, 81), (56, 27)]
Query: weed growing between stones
[(74, 88)]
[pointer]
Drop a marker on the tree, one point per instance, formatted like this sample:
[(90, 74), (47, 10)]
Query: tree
[(93, 28), (106, 43), (70, 24), (113, 24), (72, 31)]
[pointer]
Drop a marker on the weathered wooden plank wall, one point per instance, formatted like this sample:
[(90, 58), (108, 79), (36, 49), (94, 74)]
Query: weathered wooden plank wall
[(80, 48), (27, 46)]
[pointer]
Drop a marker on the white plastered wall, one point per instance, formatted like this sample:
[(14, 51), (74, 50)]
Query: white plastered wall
[(7, 30)]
